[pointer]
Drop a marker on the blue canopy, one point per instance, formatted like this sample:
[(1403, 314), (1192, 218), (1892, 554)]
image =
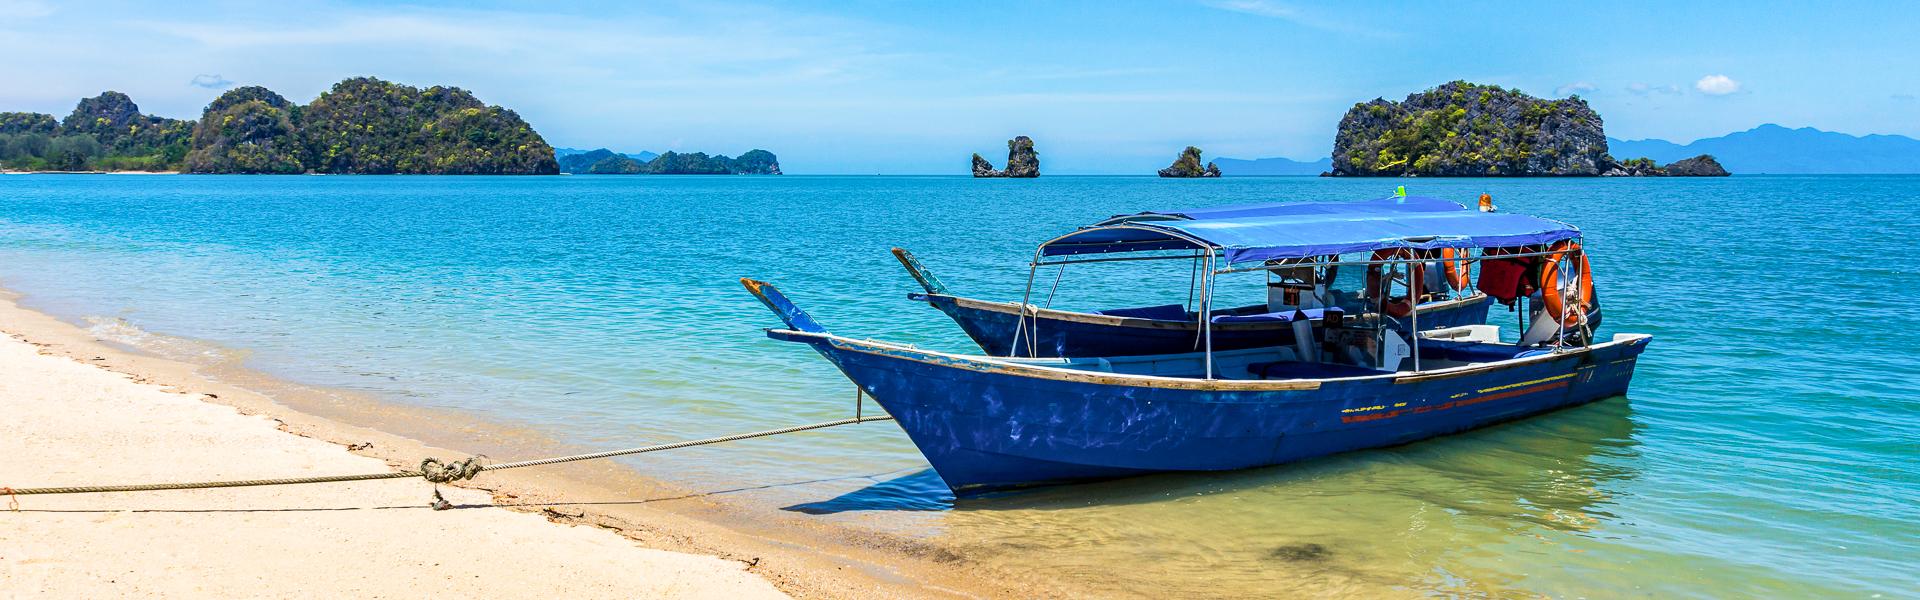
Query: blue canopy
[(1265, 232), (1388, 205)]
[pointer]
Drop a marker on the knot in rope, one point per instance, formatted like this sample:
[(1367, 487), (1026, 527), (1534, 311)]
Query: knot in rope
[(438, 472)]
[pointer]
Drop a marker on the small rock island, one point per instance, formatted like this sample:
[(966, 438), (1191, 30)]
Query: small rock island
[(1188, 165), (1022, 161), (1699, 166)]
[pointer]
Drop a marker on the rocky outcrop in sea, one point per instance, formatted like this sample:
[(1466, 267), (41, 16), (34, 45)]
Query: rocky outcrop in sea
[(1188, 165), (1633, 167), (982, 168), (1463, 129), (1022, 161), (1699, 166)]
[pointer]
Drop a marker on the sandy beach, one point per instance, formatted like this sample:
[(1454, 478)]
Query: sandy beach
[(72, 422), (85, 412)]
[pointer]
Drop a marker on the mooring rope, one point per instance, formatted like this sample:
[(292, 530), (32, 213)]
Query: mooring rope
[(432, 469)]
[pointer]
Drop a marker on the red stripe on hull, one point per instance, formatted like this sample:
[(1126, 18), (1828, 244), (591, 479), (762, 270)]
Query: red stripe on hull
[(1457, 403)]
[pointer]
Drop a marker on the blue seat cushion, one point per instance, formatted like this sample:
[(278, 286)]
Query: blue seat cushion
[(1284, 316), (1164, 312), (1475, 351)]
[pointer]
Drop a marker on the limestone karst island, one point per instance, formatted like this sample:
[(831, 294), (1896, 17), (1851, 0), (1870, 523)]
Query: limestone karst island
[(1463, 129), (362, 126), (1188, 165), (1022, 161)]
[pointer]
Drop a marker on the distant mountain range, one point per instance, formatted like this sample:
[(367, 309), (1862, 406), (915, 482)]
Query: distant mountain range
[(1774, 149), (1767, 149), (642, 156), (1237, 167)]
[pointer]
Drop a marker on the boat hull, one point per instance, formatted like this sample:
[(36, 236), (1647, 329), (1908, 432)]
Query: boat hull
[(985, 425), (995, 326)]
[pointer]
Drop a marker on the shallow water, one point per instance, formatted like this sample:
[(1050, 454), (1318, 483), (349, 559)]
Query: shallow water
[(1768, 446)]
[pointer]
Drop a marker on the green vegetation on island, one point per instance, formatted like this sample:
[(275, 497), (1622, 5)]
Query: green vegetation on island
[(1188, 165), (1466, 129), (608, 162), (361, 126), (1463, 129), (15, 123), (105, 132), (248, 130)]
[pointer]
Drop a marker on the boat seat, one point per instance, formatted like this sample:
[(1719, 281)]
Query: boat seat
[(1164, 312), (1293, 369), (1475, 352), (1282, 316)]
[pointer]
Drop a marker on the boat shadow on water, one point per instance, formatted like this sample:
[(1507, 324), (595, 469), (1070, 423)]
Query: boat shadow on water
[(1563, 463)]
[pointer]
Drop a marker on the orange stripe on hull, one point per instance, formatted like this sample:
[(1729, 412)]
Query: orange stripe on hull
[(1457, 403)]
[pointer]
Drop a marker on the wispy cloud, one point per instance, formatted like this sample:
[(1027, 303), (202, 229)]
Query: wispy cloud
[(1287, 12), (24, 9), (1578, 87), (638, 48), (1903, 98), (1716, 85), (1056, 73), (1642, 89), (212, 82)]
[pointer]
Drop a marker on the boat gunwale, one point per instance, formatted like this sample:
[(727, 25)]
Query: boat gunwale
[(991, 364)]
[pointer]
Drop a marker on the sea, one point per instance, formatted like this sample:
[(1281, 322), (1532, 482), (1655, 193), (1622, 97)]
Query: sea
[(1769, 446)]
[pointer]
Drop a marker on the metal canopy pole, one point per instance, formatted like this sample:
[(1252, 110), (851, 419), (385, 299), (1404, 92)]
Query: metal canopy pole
[(1414, 290), (1193, 280), (1025, 298), (1206, 314), (1586, 276)]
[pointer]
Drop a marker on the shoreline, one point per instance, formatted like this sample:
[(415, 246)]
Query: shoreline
[(89, 172), (800, 557)]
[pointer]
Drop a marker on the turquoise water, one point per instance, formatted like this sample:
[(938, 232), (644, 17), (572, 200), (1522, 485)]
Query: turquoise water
[(1768, 447)]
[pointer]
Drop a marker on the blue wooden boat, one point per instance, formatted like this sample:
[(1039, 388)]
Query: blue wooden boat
[(989, 423), (1023, 329)]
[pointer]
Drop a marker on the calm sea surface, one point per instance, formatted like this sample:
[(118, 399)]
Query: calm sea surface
[(1769, 446)]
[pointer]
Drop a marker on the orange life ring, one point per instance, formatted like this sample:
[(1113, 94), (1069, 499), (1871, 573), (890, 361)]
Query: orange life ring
[(1456, 269), (1550, 284)]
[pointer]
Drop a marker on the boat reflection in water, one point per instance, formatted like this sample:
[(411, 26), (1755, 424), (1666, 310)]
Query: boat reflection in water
[(1469, 514)]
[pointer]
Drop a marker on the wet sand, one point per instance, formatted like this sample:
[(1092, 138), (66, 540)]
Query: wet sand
[(83, 411)]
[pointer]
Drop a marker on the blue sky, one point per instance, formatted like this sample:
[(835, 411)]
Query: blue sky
[(859, 86)]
